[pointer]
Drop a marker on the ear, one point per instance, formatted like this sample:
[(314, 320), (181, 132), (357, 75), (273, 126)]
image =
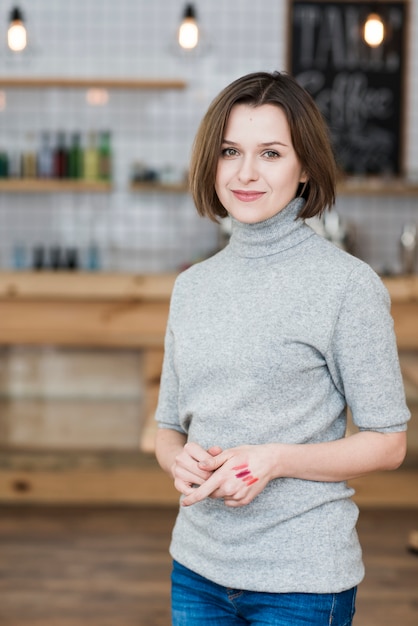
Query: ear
[(303, 177)]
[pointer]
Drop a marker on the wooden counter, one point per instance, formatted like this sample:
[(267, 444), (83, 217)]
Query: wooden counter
[(77, 309), (91, 310), (403, 291), (130, 311), (126, 309)]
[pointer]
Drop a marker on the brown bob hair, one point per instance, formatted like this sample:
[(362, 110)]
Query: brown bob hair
[(308, 131)]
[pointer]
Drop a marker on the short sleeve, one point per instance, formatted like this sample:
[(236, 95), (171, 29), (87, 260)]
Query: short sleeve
[(167, 414), (363, 357)]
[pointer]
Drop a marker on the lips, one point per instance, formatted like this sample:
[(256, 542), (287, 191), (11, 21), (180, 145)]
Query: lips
[(247, 196)]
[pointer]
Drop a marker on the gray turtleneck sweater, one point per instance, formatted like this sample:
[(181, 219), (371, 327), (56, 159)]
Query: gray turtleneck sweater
[(268, 341)]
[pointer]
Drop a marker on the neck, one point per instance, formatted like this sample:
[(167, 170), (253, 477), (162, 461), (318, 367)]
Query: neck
[(276, 234)]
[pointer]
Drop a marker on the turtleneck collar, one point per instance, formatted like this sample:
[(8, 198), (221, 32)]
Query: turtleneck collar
[(276, 234)]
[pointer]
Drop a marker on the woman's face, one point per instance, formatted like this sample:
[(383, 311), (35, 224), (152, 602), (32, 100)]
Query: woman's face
[(258, 171)]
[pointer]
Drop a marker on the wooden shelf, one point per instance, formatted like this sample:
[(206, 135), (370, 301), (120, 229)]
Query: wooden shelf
[(160, 187), (350, 187), (43, 82), (377, 186), (35, 185), (85, 286)]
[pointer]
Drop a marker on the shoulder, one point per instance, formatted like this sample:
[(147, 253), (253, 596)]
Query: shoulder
[(343, 266), (336, 278), (201, 270), (362, 294), (199, 276)]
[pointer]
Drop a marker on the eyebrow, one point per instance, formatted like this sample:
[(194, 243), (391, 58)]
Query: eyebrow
[(264, 144)]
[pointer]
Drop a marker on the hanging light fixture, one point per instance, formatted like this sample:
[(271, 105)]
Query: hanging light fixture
[(374, 30), (188, 34), (16, 34)]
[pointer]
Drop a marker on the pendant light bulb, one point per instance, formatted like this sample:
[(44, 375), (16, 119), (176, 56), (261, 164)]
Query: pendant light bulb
[(16, 34), (374, 30), (189, 31)]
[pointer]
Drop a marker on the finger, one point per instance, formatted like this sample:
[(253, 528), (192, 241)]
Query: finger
[(185, 488), (195, 451), (234, 504), (188, 462), (199, 454), (202, 492), (212, 463), (192, 475), (215, 450)]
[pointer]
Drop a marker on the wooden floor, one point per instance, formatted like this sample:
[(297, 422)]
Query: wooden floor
[(110, 567)]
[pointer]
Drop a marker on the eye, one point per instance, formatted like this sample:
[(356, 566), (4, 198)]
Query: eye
[(229, 152), (271, 154)]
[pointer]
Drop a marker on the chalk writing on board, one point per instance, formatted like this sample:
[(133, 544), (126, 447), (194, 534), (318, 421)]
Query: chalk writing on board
[(357, 88)]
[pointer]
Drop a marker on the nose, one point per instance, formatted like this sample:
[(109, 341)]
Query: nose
[(248, 170)]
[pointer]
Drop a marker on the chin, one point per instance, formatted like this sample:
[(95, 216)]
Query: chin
[(248, 217)]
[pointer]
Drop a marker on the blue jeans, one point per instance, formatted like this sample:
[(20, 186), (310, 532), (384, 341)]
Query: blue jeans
[(197, 601)]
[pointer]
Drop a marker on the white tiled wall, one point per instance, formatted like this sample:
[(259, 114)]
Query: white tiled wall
[(136, 38)]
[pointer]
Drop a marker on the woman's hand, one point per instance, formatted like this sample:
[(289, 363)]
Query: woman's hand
[(239, 474), (330, 461), (186, 469), (236, 475)]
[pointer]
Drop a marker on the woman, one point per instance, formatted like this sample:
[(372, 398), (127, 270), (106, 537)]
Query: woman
[(267, 344)]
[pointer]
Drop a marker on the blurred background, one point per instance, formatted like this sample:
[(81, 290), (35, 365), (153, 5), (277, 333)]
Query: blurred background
[(151, 130), (99, 105)]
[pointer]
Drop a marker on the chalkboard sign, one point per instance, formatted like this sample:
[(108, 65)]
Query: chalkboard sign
[(358, 88)]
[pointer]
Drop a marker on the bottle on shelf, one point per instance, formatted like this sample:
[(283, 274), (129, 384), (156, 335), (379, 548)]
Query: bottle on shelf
[(93, 258), (19, 261), (71, 259), (55, 258), (38, 258), (75, 157), (29, 160), (105, 156), (45, 157), (4, 164), (15, 164), (91, 158), (408, 245), (61, 157)]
